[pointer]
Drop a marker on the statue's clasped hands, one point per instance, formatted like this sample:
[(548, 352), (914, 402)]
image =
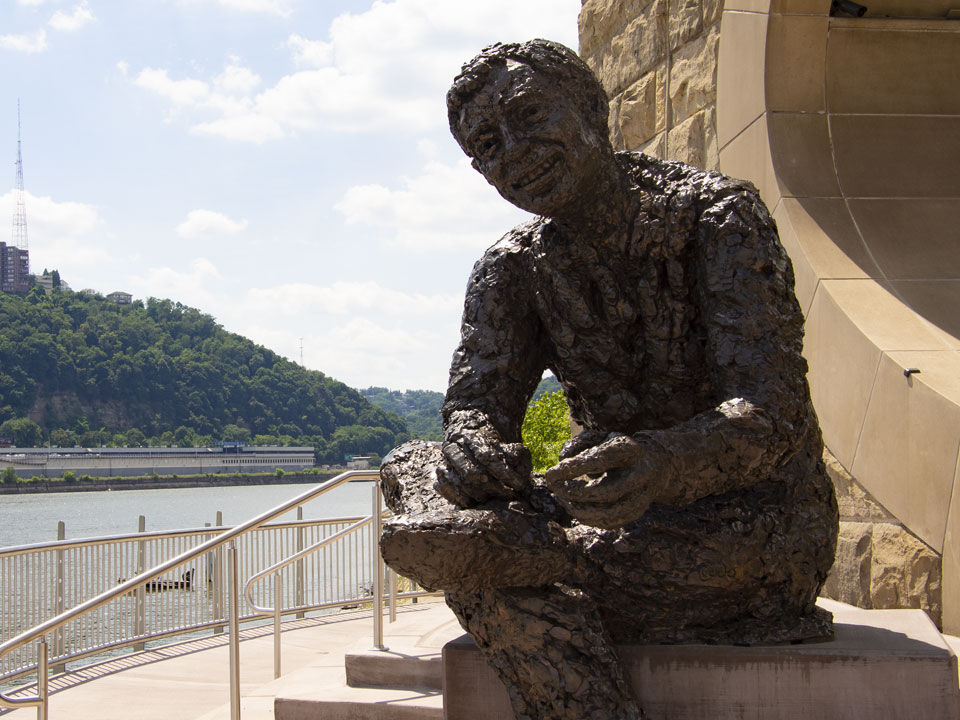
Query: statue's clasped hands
[(608, 484)]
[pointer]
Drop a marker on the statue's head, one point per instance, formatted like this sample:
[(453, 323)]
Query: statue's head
[(533, 118)]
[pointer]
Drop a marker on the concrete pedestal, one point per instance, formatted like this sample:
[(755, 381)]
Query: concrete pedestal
[(881, 665)]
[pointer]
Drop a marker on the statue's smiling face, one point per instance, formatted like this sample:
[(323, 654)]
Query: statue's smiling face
[(531, 140)]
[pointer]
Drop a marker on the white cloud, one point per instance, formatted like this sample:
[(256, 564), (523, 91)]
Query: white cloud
[(420, 356), (246, 128), (179, 92), (58, 232), (384, 69), (364, 352), (359, 331), (445, 207), (281, 8), (47, 217), (236, 79), (310, 53), (37, 42), (345, 297), (227, 95), (204, 223), (197, 287), (123, 67), (31, 2), (79, 16)]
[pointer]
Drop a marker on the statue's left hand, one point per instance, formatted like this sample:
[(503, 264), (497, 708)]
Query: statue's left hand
[(608, 485)]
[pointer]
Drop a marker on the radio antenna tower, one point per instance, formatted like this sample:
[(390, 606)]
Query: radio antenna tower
[(20, 210)]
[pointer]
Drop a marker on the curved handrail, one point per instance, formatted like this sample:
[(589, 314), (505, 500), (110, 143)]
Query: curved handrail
[(146, 576), (254, 579)]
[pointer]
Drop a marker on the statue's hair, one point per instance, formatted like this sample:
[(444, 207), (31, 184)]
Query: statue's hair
[(544, 56)]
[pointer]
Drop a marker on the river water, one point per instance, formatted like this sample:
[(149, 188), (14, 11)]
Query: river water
[(33, 518)]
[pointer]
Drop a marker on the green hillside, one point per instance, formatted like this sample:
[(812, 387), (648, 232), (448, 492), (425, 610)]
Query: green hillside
[(419, 408), (90, 372)]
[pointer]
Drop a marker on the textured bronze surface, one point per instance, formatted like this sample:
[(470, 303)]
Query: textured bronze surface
[(694, 507)]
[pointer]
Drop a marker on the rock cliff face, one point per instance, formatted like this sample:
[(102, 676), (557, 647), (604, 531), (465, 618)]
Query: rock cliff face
[(657, 60)]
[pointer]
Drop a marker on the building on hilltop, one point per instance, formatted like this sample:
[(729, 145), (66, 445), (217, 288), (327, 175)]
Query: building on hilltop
[(50, 281), (120, 298), (14, 269)]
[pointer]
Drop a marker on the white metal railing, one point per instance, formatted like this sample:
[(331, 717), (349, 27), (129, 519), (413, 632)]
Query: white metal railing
[(38, 582), (314, 564)]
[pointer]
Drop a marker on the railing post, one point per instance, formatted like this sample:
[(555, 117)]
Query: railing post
[(141, 591), (58, 640), (392, 584), (218, 579), (277, 617), (377, 562), (301, 600), (43, 678), (234, 602)]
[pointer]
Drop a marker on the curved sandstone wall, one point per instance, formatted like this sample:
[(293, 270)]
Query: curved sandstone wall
[(850, 128)]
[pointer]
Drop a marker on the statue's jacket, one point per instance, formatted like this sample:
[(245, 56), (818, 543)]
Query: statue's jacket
[(682, 330)]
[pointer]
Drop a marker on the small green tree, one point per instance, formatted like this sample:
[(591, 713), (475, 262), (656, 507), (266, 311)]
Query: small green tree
[(546, 428), (25, 432), (9, 475), (135, 437), (69, 476)]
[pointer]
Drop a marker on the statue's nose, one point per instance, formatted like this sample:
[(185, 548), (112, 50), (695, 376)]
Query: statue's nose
[(513, 142)]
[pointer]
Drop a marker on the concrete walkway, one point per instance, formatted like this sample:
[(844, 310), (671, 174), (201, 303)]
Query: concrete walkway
[(190, 680)]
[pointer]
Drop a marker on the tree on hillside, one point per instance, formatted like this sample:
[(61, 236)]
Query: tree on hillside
[(546, 427), (420, 409), (94, 370), (25, 432)]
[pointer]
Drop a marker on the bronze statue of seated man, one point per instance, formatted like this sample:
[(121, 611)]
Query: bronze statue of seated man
[(694, 506)]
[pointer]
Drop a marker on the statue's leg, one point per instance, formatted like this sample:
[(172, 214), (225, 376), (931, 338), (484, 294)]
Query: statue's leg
[(442, 547), (742, 568), (499, 565), (550, 649)]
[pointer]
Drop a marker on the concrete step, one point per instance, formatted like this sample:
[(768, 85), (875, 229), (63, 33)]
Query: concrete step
[(401, 682), (363, 704), (417, 668)]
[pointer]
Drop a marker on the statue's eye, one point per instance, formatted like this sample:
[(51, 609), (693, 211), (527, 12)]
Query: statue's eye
[(486, 146), (531, 113)]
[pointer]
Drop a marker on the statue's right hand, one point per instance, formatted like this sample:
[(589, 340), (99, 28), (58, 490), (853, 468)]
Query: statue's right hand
[(476, 468)]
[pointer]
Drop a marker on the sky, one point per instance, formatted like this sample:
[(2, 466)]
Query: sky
[(283, 165)]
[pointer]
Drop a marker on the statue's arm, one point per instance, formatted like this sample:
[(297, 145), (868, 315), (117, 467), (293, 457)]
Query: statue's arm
[(494, 371), (754, 337)]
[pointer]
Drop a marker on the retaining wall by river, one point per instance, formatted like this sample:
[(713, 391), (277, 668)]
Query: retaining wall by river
[(88, 484)]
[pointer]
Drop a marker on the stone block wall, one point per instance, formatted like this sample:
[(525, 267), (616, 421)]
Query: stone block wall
[(880, 564), (657, 60)]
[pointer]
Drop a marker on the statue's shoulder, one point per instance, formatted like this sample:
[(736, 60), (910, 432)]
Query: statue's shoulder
[(513, 249), (681, 185)]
